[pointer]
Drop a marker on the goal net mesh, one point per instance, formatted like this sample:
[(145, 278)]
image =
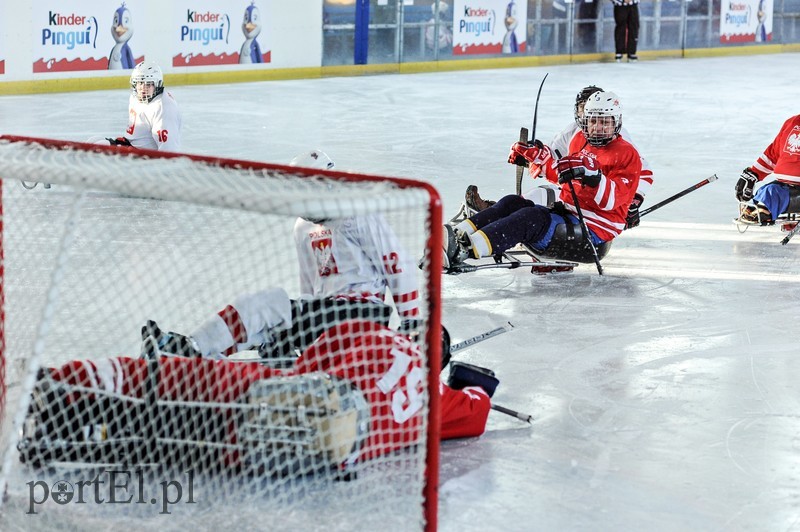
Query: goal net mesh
[(101, 426)]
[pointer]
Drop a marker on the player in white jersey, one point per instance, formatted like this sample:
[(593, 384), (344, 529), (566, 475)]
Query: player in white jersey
[(154, 120), (547, 194), (358, 257), (347, 266)]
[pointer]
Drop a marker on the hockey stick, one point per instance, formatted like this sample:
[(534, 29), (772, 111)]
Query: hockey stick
[(793, 232), (523, 136), (480, 338), (513, 413), (584, 227), (680, 194)]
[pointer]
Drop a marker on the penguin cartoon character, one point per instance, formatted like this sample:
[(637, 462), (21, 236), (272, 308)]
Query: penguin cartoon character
[(121, 56), (510, 45), (251, 27)]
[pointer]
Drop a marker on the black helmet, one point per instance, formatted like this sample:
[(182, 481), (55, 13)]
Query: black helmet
[(581, 98)]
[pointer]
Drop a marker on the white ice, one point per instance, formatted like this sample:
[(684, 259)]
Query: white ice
[(665, 393)]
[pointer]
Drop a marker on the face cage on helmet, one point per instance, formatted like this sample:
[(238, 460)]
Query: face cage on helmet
[(599, 139), (146, 99)]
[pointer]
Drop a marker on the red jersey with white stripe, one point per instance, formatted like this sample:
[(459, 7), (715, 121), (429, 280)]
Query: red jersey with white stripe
[(604, 207), (359, 257), (782, 156), (562, 141), (383, 364)]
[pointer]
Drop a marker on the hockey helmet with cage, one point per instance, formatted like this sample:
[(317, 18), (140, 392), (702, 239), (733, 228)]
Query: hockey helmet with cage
[(148, 73), (602, 118), (316, 159), (314, 419), (580, 100)]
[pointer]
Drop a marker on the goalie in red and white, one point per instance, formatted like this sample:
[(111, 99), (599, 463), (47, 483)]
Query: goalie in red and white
[(355, 394)]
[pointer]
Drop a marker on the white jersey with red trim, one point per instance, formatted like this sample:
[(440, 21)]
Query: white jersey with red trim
[(356, 257), (155, 125), (782, 156), (562, 140), (604, 207), (384, 365)]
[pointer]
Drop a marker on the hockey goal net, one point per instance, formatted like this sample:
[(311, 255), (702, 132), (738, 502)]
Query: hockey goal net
[(101, 427)]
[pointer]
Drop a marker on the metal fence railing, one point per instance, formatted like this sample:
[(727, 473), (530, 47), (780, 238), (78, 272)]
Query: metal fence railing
[(400, 33)]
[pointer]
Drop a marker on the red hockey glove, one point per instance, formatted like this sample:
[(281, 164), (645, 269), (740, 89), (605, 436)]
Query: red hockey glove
[(745, 184), (578, 167), (632, 220), (119, 141), (522, 154)]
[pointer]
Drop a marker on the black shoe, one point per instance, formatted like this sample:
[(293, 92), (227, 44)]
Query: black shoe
[(474, 200), (632, 58), (618, 58)]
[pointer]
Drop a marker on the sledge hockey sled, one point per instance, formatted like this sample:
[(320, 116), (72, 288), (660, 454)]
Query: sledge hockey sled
[(270, 430), (509, 261), (786, 221)]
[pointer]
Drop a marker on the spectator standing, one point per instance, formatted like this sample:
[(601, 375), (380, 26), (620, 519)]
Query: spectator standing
[(626, 31)]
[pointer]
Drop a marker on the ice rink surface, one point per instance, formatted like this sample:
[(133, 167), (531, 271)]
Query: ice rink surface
[(665, 393)]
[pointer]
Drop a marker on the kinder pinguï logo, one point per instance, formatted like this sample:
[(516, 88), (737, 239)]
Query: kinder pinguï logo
[(68, 42), (477, 21), (69, 30), (205, 26)]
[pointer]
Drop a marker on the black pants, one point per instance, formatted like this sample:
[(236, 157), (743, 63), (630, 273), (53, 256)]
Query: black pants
[(626, 32)]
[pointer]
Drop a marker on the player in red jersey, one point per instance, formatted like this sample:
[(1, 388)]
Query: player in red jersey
[(780, 159), (602, 167), (364, 381)]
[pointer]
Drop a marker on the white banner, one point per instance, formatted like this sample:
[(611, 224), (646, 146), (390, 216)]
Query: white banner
[(76, 35), (222, 32), (745, 21), (489, 26)]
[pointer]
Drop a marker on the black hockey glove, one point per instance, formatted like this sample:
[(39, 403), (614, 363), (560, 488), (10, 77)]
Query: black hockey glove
[(445, 347), (119, 141), (632, 220), (745, 184), (578, 167), (463, 375)]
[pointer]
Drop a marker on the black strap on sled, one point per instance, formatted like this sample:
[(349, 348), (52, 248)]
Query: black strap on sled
[(794, 199), (568, 243)]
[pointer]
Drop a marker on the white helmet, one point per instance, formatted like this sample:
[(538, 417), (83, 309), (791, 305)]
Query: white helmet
[(147, 72), (602, 118), (313, 159)]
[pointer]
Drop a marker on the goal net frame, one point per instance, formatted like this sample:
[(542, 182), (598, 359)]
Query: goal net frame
[(41, 156)]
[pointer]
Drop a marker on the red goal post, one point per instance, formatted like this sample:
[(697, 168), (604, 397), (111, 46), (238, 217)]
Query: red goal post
[(124, 236)]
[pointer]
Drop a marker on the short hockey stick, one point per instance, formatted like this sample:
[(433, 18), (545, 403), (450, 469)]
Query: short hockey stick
[(523, 136), (793, 232), (513, 413), (480, 338), (680, 194)]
